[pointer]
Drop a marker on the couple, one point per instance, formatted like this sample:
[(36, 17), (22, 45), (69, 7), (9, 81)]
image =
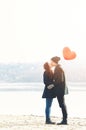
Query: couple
[(54, 80)]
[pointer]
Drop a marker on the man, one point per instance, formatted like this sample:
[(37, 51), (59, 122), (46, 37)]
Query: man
[(59, 83)]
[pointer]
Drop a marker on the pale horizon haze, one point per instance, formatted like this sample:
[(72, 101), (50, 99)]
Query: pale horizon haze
[(36, 30)]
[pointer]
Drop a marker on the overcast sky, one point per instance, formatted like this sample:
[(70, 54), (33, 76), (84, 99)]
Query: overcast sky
[(36, 30)]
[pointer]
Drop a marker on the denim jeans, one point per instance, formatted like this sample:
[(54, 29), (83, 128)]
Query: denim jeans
[(48, 108)]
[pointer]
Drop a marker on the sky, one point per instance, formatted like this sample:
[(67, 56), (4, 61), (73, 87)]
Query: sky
[(36, 30)]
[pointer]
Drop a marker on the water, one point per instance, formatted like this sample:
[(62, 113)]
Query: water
[(26, 99)]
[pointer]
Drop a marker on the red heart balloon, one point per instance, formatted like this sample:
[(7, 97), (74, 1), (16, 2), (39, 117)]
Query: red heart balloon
[(68, 54)]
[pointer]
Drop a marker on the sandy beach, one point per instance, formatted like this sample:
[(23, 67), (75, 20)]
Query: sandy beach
[(33, 122)]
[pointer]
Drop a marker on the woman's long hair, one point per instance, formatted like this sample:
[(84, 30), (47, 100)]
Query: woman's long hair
[(48, 70)]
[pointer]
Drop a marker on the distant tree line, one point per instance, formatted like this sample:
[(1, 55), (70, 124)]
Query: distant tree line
[(32, 72)]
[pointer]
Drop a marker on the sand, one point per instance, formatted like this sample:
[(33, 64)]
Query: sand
[(33, 122)]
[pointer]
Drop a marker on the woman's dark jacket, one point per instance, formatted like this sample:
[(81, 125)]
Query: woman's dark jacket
[(59, 81), (48, 93)]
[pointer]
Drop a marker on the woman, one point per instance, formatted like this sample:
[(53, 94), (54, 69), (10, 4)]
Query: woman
[(48, 92)]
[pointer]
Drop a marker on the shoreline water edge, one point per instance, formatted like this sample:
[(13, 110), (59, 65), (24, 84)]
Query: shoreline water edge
[(23, 98)]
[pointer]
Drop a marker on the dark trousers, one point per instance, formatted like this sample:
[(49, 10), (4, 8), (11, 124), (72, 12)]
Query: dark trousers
[(48, 108), (62, 106)]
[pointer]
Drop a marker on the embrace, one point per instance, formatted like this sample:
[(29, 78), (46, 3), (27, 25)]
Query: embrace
[(54, 80)]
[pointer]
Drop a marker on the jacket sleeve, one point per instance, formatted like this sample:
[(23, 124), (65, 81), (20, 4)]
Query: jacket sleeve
[(46, 79)]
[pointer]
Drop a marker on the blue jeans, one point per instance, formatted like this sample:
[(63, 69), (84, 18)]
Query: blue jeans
[(48, 108)]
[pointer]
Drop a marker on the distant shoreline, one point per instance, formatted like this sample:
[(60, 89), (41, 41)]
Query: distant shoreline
[(38, 86)]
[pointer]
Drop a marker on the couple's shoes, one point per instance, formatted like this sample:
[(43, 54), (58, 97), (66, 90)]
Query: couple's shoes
[(61, 123)]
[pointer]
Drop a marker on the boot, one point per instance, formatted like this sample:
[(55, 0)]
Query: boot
[(63, 122), (48, 121)]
